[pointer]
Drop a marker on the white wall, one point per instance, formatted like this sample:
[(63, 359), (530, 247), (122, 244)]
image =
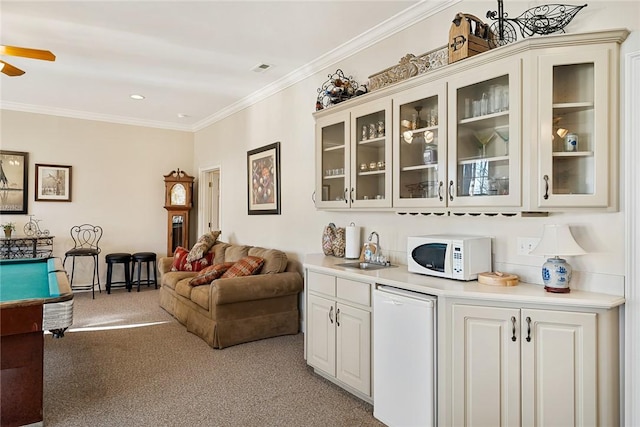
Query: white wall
[(287, 117), (117, 179)]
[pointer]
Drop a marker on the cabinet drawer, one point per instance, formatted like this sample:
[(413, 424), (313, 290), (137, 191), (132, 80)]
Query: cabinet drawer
[(322, 283), (358, 292)]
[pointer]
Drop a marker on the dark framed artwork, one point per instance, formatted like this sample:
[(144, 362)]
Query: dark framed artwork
[(14, 168), (263, 180), (53, 183)]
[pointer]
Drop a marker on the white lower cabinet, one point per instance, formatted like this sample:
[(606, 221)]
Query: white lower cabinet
[(338, 338), (515, 366)]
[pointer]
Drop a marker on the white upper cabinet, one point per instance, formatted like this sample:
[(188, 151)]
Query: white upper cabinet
[(484, 136), (371, 155), (577, 136), (420, 147), (333, 152), (530, 126)]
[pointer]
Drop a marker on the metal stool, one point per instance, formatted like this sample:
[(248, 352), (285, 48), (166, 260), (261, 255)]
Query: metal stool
[(148, 258), (118, 258)]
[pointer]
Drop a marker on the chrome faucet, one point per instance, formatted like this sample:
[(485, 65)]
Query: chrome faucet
[(374, 255), (377, 238)]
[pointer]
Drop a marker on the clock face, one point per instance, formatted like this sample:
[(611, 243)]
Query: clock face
[(178, 195)]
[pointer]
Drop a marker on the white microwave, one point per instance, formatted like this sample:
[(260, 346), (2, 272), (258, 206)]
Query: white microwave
[(449, 256)]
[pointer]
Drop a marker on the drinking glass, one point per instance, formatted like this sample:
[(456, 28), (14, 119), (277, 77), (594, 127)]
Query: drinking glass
[(484, 136)]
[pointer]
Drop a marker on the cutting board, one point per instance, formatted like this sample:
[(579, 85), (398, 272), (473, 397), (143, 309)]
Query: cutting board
[(498, 279)]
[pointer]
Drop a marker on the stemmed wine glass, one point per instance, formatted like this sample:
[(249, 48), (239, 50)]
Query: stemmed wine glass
[(503, 133), (484, 136)]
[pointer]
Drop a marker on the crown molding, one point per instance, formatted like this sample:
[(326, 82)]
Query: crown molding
[(391, 26), (74, 114), (413, 14)]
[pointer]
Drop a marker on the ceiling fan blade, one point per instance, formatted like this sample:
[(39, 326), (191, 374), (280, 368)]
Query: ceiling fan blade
[(10, 70), (27, 52)]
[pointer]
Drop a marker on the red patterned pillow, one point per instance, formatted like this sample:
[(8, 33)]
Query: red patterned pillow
[(245, 267), (209, 274), (180, 261)]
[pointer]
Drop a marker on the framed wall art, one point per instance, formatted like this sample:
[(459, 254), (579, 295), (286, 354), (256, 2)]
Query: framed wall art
[(263, 180), (14, 166), (53, 183)]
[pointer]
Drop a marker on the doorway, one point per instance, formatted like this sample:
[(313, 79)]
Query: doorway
[(209, 211)]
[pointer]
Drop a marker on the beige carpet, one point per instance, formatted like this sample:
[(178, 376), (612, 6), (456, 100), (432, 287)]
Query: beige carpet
[(149, 371)]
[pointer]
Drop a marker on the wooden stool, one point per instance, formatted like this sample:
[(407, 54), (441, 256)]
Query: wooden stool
[(118, 258), (148, 258)]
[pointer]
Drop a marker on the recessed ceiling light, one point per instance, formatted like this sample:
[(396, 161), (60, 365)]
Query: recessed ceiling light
[(261, 67), (136, 96), (183, 116)]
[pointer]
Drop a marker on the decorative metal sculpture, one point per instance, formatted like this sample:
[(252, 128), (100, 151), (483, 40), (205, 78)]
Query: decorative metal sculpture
[(33, 229), (544, 19), (337, 89), (409, 66)]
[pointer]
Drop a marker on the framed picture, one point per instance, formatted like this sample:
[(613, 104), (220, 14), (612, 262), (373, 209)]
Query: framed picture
[(14, 166), (53, 183), (263, 180)]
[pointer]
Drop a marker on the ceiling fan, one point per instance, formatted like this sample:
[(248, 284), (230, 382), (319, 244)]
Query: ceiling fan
[(13, 71)]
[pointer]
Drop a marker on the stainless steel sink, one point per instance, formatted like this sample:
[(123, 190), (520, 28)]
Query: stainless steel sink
[(365, 265)]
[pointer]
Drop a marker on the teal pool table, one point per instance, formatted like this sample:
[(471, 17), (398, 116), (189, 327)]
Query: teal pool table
[(35, 296)]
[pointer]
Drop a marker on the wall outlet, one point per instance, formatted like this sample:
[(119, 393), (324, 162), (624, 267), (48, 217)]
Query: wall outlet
[(527, 244)]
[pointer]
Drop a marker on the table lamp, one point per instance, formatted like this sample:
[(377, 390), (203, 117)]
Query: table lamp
[(556, 272)]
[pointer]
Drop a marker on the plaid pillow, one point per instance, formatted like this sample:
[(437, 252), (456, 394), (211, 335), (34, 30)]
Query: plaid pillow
[(209, 274), (203, 245), (245, 267), (180, 261)]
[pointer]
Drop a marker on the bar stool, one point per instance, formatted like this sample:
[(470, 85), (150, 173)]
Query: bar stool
[(118, 258), (148, 258)]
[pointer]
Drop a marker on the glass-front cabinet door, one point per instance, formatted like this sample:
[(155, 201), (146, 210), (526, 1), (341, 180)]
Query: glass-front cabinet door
[(484, 137), (332, 161), (371, 155), (420, 147), (574, 121)]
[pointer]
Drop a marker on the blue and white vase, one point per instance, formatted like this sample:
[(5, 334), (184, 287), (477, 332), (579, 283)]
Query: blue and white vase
[(556, 275)]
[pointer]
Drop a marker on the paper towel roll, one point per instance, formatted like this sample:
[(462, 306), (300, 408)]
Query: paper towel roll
[(352, 237)]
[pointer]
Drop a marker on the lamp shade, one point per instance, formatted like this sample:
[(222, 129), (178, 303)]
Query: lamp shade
[(557, 240)]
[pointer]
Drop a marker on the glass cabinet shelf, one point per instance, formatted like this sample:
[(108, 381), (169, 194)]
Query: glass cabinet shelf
[(418, 167), (334, 147), (573, 154)]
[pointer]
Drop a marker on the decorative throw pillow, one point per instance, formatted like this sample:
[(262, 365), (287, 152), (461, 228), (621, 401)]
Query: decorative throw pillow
[(245, 267), (203, 245), (180, 261), (209, 274)]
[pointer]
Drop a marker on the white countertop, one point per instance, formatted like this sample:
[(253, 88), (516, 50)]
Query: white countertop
[(401, 278)]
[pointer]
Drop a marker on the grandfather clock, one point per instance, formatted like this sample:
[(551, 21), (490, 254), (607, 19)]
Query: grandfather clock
[(178, 190)]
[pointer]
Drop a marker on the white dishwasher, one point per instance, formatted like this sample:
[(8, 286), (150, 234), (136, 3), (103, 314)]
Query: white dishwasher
[(404, 363)]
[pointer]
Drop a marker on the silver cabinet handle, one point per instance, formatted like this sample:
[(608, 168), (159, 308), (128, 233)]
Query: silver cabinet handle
[(337, 314), (513, 328), (313, 197), (451, 191), (331, 314), (346, 200), (352, 190), (440, 190), (528, 319)]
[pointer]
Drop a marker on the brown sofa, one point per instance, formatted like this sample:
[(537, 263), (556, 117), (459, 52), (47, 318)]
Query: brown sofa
[(235, 310)]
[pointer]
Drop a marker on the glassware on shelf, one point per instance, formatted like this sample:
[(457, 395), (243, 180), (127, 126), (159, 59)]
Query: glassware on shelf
[(484, 136), (484, 104), (430, 154), (365, 133), (503, 134), (380, 128), (373, 133)]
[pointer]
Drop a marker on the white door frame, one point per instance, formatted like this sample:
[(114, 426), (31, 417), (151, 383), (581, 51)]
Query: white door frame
[(203, 207), (631, 137)]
